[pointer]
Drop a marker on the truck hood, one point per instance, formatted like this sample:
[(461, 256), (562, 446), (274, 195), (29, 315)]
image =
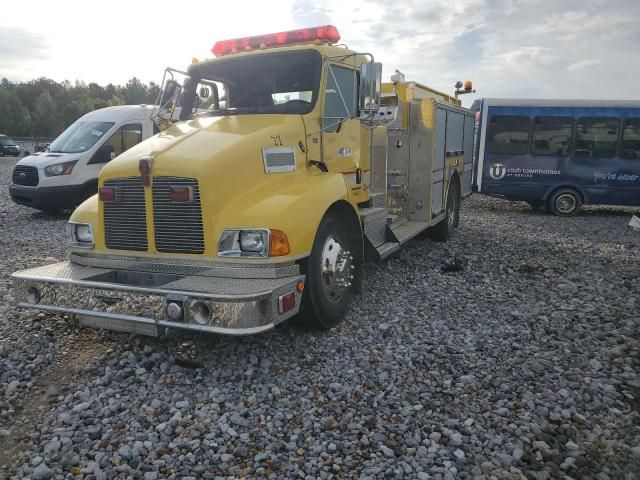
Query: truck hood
[(225, 155), (194, 148)]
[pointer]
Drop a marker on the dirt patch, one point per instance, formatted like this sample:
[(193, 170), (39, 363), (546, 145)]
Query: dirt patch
[(68, 368)]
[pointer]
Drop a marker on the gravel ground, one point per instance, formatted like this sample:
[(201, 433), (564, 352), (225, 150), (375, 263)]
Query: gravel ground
[(523, 363)]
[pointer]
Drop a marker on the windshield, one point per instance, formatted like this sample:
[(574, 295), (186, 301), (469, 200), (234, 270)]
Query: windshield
[(80, 137), (283, 82), (6, 142)]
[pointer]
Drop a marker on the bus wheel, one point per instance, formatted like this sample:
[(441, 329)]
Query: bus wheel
[(565, 202), (330, 272), (443, 230)]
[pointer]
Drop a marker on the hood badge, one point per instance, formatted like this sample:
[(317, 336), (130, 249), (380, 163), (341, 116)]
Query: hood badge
[(145, 170)]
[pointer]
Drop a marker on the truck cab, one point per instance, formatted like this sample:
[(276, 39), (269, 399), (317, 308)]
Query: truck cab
[(290, 165)]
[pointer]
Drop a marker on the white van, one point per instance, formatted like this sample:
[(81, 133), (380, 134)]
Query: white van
[(67, 173)]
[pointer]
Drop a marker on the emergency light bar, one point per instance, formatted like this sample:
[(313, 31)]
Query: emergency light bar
[(326, 33)]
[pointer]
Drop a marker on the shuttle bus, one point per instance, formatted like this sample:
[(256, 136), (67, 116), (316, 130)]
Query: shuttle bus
[(559, 154)]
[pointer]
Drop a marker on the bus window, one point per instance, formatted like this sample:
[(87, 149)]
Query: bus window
[(630, 147), (509, 134), (597, 137), (552, 136)]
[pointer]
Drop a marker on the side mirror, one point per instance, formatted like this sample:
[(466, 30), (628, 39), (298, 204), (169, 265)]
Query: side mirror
[(171, 88), (104, 154), (370, 87)]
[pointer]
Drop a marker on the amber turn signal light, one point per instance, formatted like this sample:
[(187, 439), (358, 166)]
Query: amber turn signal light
[(278, 244)]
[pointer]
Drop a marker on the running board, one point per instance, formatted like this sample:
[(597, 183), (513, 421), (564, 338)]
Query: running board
[(407, 230), (387, 249)]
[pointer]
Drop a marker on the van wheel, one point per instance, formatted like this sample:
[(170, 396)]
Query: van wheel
[(330, 272), (565, 202), (444, 230)]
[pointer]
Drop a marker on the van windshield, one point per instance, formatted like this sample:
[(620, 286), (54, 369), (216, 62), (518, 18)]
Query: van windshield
[(283, 82), (5, 142), (80, 137)]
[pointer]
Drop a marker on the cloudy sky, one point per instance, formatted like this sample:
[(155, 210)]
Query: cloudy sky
[(523, 48)]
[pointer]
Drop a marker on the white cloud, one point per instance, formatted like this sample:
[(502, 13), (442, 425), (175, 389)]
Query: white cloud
[(583, 64)]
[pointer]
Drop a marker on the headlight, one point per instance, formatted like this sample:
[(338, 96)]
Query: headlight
[(252, 241), (79, 235), (244, 243), (59, 169), (84, 233)]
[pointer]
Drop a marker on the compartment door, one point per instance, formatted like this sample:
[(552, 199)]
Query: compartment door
[(437, 187), (467, 169)]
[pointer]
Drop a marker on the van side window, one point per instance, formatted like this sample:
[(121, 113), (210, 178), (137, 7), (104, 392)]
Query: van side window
[(125, 137), (630, 146), (340, 97), (509, 134), (597, 137), (552, 136)]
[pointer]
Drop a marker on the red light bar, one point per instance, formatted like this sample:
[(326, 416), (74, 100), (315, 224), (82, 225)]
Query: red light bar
[(181, 194), (107, 194), (326, 33)]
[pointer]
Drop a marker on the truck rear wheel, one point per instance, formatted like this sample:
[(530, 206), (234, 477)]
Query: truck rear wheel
[(443, 230), (330, 273), (565, 202)]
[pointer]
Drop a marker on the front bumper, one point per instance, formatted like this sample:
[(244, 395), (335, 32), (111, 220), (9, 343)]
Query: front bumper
[(136, 300), (46, 198)]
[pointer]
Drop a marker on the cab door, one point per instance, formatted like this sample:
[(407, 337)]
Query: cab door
[(341, 125)]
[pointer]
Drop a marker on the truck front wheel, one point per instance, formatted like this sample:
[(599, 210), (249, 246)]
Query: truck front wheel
[(330, 273)]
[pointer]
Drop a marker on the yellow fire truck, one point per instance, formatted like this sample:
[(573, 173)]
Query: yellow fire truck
[(291, 163)]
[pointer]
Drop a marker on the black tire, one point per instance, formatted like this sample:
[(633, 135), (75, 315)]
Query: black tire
[(565, 202), (325, 303), (444, 230)]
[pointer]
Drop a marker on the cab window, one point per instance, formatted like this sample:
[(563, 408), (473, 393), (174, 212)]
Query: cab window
[(340, 97), (125, 137)]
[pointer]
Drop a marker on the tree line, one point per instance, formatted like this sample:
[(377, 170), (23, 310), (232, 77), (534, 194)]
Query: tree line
[(44, 108)]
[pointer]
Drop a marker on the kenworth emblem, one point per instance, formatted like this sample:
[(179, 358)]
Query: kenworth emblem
[(145, 170)]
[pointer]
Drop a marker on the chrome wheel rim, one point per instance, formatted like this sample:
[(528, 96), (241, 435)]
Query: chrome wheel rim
[(337, 270), (566, 203)]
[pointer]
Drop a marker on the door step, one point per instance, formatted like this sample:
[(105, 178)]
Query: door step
[(405, 231), (377, 200), (386, 249), (374, 224)]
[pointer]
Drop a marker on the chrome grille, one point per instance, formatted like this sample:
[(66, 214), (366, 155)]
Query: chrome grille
[(125, 222), (24, 175), (178, 225)]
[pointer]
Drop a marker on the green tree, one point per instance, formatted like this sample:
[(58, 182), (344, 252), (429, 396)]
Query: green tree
[(46, 122), (135, 92)]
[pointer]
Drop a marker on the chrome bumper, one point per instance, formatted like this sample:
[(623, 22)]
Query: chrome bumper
[(136, 301)]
